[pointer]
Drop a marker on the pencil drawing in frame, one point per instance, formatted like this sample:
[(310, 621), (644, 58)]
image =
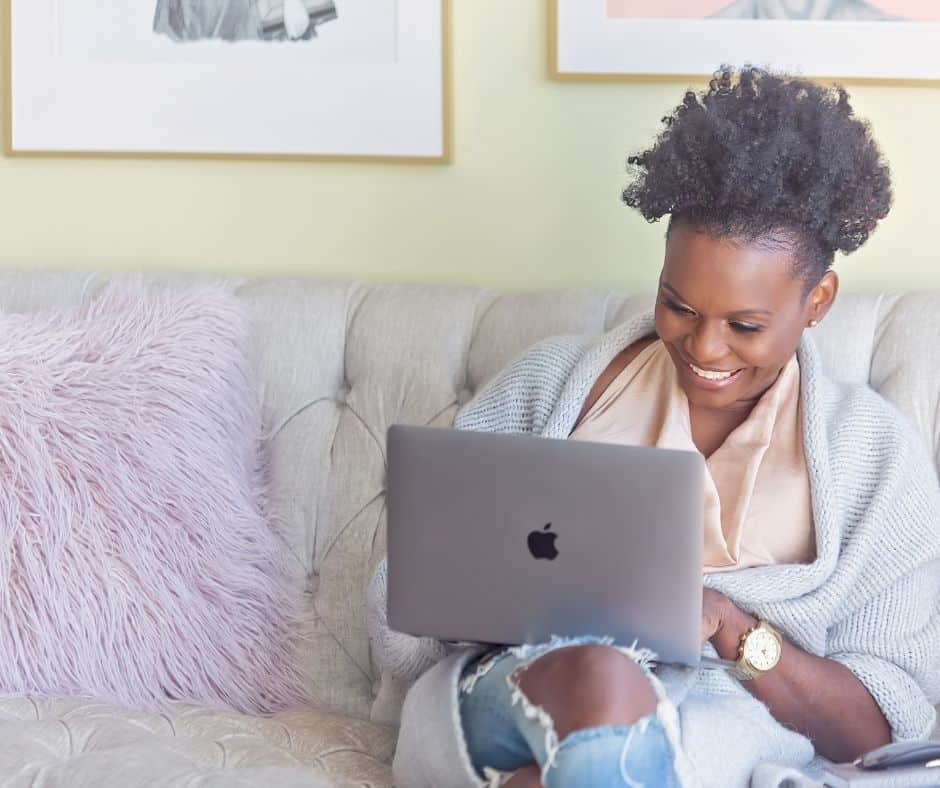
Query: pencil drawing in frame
[(331, 79)]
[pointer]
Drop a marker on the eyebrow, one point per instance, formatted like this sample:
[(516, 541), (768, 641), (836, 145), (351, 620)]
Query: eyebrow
[(676, 293)]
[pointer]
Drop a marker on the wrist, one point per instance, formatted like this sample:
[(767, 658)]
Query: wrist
[(734, 623)]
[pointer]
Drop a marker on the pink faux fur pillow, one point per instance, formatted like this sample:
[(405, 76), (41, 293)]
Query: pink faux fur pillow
[(138, 559)]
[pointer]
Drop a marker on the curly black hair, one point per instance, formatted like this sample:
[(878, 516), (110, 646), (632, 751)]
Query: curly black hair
[(767, 158)]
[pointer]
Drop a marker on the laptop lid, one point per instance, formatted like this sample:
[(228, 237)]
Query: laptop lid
[(508, 538)]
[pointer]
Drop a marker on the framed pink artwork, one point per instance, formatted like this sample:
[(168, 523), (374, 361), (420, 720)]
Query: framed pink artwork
[(860, 39)]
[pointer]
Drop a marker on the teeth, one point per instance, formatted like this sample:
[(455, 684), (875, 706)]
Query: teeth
[(702, 373)]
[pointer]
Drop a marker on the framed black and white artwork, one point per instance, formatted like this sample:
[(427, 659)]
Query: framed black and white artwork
[(845, 39), (275, 78)]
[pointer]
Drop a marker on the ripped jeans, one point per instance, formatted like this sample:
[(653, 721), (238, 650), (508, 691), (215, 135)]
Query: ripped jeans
[(504, 731)]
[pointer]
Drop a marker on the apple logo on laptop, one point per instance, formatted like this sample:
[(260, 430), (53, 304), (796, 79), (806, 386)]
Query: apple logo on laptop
[(542, 544)]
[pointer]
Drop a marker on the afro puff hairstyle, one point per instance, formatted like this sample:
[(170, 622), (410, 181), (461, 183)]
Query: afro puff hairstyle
[(770, 159)]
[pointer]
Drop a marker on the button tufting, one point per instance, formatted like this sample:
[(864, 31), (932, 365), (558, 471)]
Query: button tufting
[(343, 394), (464, 396)]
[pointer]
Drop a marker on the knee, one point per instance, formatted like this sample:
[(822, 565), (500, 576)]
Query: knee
[(585, 670), (586, 686), (592, 662)]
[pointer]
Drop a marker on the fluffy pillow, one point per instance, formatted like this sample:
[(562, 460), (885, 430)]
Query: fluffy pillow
[(138, 558)]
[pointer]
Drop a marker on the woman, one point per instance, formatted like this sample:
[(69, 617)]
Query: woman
[(822, 503)]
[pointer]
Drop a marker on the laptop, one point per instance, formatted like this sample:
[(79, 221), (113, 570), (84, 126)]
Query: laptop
[(511, 538)]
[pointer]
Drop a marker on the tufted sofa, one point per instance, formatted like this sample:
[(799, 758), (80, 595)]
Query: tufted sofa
[(344, 360)]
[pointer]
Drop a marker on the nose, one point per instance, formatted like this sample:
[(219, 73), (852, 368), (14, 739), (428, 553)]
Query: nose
[(707, 344)]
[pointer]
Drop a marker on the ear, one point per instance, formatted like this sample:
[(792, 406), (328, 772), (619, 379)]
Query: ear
[(822, 296)]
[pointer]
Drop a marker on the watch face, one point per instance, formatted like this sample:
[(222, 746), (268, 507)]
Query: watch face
[(762, 649)]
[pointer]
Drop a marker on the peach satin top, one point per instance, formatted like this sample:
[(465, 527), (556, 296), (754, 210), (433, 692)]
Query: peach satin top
[(757, 494)]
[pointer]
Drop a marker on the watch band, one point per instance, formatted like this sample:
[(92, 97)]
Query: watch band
[(745, 671), (739, 668)]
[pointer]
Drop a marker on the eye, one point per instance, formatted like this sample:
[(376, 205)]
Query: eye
[(743, 328), (678, 309)]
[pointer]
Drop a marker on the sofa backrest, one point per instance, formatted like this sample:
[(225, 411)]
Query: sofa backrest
[(344, 360)]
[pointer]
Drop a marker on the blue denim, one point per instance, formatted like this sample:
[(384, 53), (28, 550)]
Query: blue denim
[(505, 732)]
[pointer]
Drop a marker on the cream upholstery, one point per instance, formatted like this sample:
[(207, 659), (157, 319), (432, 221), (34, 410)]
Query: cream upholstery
[(343, 360)]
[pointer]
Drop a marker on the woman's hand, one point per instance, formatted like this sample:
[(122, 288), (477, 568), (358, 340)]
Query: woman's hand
[(812, 695), (716, 610), (815, 696)]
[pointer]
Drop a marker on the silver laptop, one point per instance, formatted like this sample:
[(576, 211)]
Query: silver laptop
[(509, 539)]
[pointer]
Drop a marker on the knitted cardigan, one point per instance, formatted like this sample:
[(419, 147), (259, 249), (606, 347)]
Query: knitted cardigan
[(870, 600)]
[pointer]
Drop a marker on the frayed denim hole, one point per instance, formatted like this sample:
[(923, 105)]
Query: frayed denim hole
[(534, 712), (528, 653)]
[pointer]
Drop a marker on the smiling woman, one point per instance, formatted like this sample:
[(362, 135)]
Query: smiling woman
[(821, 505), (764, 179)]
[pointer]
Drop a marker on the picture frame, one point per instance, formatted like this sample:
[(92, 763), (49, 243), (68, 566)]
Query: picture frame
[(109, 78), (612, 40)]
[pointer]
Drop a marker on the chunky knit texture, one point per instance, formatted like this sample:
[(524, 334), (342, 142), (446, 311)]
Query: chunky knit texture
[(870, 600), (398, 653)]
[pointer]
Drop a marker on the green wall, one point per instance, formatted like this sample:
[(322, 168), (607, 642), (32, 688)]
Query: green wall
[(531, 201)]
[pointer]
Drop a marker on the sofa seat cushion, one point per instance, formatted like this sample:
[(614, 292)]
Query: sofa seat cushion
[(80, 743)]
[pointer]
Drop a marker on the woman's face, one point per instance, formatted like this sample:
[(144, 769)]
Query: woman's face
[(732, 306)]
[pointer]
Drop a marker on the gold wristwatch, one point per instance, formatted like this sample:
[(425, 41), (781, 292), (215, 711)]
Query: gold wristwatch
[(759, 652)]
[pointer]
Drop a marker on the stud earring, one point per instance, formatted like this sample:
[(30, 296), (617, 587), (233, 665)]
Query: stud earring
[(813, 323)]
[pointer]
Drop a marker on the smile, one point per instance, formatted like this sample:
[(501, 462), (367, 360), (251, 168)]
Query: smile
[(709, 379), (710, 375)]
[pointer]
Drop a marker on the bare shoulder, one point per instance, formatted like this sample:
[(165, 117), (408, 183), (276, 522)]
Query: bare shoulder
[(613, 369)]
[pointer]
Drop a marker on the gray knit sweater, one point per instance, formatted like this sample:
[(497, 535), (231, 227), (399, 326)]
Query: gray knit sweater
[(870, 599)]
